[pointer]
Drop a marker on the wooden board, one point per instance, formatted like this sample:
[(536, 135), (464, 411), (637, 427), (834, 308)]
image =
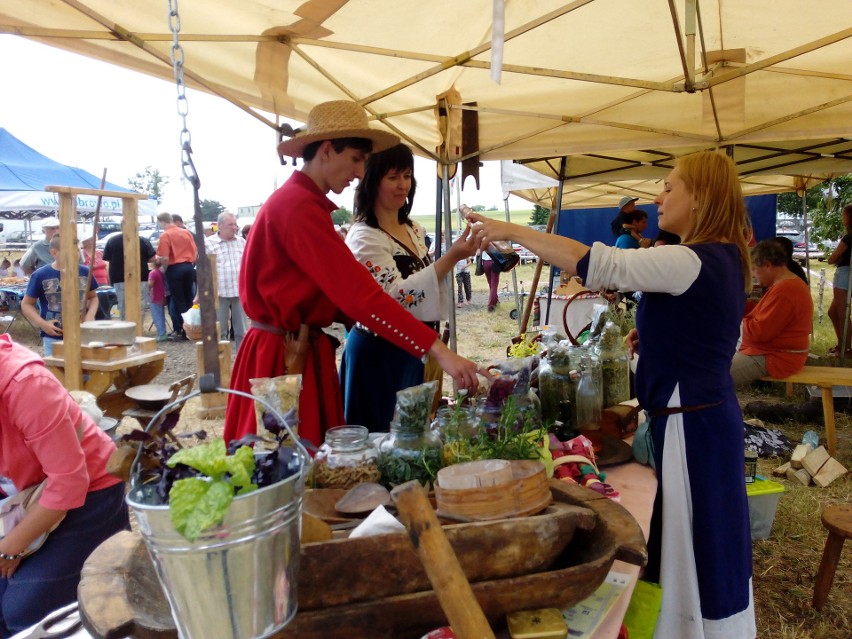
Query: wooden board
[(126, 595), (110, 353)]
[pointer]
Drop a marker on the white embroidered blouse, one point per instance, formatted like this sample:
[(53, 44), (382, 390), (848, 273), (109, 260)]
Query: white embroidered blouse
[(410, 279)]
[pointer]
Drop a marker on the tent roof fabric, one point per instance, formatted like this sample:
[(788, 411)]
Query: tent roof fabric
[(22, 168), (24, 173), (591, 77)]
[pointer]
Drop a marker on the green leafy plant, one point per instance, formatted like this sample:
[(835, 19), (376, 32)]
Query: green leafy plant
[(197, 503)]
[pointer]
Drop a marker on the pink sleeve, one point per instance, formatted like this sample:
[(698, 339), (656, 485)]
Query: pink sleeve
[(50, 432)]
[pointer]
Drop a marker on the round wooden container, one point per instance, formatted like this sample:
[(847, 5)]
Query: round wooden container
[(476, 474), (526, 494)]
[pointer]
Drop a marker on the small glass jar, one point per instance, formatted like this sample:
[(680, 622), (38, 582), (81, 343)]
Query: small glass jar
[(457, 426), (409, 452), (346, 458)]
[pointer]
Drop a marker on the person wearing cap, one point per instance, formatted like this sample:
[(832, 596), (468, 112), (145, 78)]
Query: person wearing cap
[(38, 254), (626, 205), (298, 276)]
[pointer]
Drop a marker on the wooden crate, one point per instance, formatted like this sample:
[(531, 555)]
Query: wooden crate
[(110, 353)]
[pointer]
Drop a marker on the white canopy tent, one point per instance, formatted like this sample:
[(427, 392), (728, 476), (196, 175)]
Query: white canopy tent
[(583, 80), (582, 77)]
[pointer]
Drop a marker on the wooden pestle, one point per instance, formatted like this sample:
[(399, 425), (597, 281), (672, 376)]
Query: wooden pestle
[(442, 566)]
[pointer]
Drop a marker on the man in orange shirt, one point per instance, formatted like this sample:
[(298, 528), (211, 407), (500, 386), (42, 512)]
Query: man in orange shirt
[(177, 248)]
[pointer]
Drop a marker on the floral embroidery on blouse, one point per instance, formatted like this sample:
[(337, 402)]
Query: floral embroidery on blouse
[(411, 297), (382, 274)]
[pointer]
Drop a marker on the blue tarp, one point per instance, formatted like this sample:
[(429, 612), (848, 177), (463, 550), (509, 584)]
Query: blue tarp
[(25, 169), (593, 225)]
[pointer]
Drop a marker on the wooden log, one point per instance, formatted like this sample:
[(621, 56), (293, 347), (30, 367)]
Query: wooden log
[(448, 580), (831, 470), (801, 475), (781, 471), (813, 461), (801, 451)]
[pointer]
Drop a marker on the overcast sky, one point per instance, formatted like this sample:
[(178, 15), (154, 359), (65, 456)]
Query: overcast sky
[(93, 115)]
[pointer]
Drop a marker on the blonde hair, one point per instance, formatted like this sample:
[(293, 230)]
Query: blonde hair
[(719, 213)]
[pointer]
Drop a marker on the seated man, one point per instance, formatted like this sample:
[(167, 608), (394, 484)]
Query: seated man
[(44, 287), (776, 329)]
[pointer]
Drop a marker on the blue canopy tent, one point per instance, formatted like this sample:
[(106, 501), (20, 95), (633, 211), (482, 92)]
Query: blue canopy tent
[(24, 172), (593, 225)]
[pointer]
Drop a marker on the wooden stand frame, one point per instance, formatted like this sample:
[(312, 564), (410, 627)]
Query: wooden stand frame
[(68, 262)]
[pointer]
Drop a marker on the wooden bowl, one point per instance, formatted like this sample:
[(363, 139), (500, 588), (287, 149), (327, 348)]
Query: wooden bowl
[(149, 396), (526, 494), (484, 472)]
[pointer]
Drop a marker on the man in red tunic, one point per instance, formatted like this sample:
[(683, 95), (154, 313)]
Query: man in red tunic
[(298, 271)]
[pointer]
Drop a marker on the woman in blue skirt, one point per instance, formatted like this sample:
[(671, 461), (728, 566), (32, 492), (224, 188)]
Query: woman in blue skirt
[(687, 324)]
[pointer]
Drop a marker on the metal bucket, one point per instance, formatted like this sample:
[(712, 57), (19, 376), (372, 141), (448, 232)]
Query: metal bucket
[(238, 580)]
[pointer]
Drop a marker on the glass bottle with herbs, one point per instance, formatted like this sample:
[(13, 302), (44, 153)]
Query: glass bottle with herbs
[(588, 397), (411, 450), (457, 426), (347, 458), (556, 386), (615, 365)]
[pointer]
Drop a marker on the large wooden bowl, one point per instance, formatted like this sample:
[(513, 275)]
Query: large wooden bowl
[(119, 592)]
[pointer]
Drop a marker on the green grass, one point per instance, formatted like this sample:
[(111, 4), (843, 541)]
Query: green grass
[(517, 217)]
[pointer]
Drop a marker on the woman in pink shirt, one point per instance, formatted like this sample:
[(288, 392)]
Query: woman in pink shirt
[(45, 436)]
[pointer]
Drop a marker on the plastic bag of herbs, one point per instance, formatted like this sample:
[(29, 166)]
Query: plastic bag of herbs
[(199, 482), (411, 450), (511, 378)]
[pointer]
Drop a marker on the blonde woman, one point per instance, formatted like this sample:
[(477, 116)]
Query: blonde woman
[(688, 320)]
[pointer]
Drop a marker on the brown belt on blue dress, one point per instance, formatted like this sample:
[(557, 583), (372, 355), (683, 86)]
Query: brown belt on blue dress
[(674, 410)]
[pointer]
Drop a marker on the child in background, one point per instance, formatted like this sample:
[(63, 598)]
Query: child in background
[(463, 280), (17, 269), (157, 290), (5, 268)]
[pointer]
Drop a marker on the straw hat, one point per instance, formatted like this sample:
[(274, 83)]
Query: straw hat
[(334, 120)]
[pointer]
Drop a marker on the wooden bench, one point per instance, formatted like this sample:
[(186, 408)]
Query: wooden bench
[(825, 377)]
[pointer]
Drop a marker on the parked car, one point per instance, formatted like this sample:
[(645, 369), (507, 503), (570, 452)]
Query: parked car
[(22, 238), (525, 254)]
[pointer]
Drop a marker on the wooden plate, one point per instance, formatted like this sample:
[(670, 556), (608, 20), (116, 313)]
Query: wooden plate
[(319, 503)]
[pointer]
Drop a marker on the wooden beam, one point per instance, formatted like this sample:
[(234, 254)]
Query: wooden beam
[(69, 281)]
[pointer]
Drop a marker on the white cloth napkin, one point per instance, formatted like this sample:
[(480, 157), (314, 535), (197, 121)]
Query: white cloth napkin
[(379, 522)]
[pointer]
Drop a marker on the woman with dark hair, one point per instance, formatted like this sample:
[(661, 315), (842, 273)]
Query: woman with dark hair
[(840, 257), (792, 265), (385, 240), (776, 330), (635, 222)]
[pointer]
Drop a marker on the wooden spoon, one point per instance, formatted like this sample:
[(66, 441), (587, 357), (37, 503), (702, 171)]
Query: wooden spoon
[(363, 498)]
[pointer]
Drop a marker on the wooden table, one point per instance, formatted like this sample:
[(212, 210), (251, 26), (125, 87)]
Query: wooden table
[(120, 373)]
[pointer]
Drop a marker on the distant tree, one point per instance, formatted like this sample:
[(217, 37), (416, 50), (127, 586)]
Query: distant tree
[(150, 182), (478, 207), (833, 195), (493, 207), (210, 210), (341, 216), (540, 215)]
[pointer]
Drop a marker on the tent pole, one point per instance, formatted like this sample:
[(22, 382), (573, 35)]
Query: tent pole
[(563, 163), (514, 272), (448, 240)]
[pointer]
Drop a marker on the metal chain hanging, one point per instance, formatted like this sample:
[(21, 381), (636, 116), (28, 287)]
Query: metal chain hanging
[(203, 269)]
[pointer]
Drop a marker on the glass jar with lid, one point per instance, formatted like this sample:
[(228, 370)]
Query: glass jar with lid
[(346, 458), (408, 453), (615, 366)]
